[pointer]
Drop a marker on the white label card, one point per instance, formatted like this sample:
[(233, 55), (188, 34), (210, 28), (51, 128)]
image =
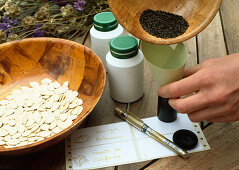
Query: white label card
[(120, 143)]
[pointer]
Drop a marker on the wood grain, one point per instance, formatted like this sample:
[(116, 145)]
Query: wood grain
[(198, 14), (211, 42), (229, 14), (229, 19), (16, 161), (191, 46), (62, 60), (223, 140), (48, 156)]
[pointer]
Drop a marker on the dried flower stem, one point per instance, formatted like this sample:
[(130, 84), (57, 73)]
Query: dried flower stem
[(29, 32)]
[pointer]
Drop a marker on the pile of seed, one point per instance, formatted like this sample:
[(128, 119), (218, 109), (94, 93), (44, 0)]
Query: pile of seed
[(31, 114), (163, 24)]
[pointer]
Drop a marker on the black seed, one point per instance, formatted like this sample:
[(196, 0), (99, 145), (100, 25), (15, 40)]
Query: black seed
[(163, 24)]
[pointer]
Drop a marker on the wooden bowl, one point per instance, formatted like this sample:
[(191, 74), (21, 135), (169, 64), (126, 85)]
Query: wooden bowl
[(198, 13), (34, 59)]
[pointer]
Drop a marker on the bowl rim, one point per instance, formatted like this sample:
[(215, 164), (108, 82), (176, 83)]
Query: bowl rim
[(160, 41), (82, 117)]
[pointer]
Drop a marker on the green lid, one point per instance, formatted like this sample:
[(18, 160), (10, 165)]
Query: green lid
[(105, 21), (124, 47)]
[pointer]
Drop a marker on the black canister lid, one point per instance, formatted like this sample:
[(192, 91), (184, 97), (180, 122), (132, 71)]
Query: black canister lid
[(186, 139)]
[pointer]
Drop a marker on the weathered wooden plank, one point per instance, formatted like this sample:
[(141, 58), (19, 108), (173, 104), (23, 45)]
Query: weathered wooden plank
[(230, 20), (191, 46), (211, 41), (223, 139), (51, 158), (16, 162)]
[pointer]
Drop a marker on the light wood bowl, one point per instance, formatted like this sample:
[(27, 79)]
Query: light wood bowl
[(36, 58), (198, 13)]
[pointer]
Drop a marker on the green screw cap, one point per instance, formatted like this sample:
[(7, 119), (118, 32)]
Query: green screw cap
[(105, 21), (124, 47)]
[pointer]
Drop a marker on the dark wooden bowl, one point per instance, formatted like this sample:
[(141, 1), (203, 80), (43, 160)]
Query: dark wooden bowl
[(36, 58), (198, 13)]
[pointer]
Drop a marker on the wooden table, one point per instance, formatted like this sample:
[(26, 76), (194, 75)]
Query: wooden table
[(220, 38)]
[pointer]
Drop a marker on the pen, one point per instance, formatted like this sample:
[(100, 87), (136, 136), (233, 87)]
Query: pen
[(139, 124)]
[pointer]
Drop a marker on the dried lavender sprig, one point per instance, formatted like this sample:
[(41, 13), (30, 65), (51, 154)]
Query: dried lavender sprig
[(79, 5)]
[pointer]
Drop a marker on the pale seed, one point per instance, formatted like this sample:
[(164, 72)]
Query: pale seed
[(3, 132)]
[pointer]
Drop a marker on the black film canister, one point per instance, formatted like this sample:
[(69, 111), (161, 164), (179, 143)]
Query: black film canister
[(165, 112)]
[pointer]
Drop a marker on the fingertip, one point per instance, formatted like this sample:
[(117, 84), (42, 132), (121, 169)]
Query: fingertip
[(178, 105), (162, 91), (159, 92), (171, 102), (192, 117)]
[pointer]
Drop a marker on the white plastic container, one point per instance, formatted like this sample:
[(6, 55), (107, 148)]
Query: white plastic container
[(104, 30), (125, 69)]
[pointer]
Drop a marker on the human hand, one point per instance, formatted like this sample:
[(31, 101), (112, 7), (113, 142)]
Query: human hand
[(216, 83)]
